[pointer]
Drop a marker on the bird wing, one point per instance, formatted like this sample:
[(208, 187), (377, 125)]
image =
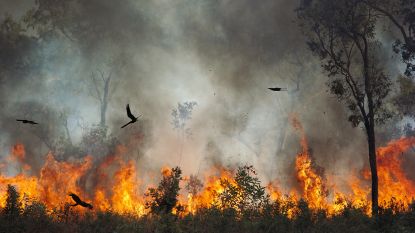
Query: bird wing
[(126, 124), (84, 204), (76, 198), (129, 114)]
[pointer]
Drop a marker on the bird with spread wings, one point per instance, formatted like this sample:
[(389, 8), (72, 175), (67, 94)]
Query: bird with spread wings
[(78, 201), (278, 89), (27, 122), (131, 116)]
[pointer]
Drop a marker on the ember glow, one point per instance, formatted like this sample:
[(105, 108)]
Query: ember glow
[(116, 182)]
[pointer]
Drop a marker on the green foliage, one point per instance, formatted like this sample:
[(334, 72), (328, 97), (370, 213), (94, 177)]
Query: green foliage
[(342, 35), (246, 195), (164, 198), (402, 15)]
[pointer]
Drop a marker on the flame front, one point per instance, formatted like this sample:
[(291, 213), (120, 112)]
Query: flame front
[(113, 183)]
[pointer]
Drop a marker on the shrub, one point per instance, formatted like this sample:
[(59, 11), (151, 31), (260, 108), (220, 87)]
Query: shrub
[(164, 198)]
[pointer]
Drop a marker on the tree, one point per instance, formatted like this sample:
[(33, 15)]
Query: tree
[(245, 194), (164, 198), (401, 13), (342, 34), (13, 207), (16, 63), (98, 142), (101, 84), (74, 20), (181, 116), (194, 185)]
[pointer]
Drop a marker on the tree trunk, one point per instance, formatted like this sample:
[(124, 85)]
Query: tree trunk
[(104, 102), (373, 169), (103, 113), (370, 128)]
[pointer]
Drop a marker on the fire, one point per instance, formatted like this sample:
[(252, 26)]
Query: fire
[(27, 187), (113, 183), (209, 195), (312, 183), (125, 198), (18, 153), (360, 193), (393, 181), (57, 179)]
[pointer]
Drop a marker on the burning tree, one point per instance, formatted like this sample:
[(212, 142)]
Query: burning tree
[(164, 198), (342, 35)]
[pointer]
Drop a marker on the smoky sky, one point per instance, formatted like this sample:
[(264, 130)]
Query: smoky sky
[(221, 54)]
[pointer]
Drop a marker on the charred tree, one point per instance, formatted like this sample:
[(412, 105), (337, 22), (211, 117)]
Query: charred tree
[(101, 84), (342, 34)]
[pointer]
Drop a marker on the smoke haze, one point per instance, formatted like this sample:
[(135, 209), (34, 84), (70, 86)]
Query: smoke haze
[(223, 55)]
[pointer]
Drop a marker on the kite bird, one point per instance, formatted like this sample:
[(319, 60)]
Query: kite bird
[(278, 89), (131, 116), (79, 201), (27, 122)]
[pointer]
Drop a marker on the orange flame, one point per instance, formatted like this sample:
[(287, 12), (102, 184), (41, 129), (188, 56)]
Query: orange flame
[(393, 181), (115, 184), (312, 183)]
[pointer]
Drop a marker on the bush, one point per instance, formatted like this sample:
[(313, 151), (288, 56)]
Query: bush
[(245, 195), (164, 198)]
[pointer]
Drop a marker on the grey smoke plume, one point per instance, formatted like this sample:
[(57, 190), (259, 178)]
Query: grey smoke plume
[(221, 54)]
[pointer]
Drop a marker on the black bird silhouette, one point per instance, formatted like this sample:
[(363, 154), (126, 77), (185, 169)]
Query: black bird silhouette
[(278, 89), (79, 201), (27, 122), (131, 116)]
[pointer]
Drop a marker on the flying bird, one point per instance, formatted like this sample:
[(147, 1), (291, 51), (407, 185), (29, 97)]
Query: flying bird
[(27, 122), (131, 116), (80, 202), (278, 89)]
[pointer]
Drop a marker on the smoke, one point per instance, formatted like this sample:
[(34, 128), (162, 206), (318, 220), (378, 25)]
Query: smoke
[(221, 54)]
